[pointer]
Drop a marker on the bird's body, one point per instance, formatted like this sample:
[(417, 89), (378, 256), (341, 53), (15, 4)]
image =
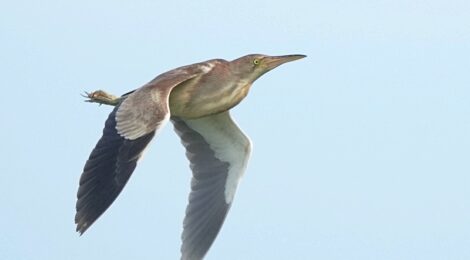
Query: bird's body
[(210, 93), (197, 99)]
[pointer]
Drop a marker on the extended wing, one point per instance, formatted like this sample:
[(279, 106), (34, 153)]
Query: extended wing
[(128, 130), (218, 152)]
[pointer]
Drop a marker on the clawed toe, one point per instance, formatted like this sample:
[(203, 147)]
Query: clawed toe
[(100, 97)]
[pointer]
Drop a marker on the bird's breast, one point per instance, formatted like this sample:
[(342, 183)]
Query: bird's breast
[(198, 98)]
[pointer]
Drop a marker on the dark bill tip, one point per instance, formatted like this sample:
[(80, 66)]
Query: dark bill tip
[(293, 57), (274, 61)]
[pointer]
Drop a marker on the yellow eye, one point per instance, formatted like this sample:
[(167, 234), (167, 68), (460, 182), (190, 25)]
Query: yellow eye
[(256, 61)]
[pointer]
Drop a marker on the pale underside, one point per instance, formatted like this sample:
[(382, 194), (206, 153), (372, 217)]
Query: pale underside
[(217, 149)]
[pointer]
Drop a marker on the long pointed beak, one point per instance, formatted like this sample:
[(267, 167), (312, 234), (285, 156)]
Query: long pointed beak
[(272, 62)]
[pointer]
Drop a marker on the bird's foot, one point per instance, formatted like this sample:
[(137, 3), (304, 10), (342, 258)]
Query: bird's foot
[(101, 97)]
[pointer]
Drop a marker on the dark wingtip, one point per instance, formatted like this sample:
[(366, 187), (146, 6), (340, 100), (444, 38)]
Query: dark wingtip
[(81, 226), (80, 230)]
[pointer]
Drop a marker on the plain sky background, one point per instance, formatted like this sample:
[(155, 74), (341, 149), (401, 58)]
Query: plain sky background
[(361, 151)]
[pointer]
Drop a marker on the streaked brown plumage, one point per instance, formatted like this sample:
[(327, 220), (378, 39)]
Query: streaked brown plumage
[(197, 99)]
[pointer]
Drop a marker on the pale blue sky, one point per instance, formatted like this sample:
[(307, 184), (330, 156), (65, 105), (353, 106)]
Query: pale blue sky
[(361, 151)]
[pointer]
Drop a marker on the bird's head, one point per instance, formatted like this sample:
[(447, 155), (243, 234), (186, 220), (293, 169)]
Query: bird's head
[(253, 66)]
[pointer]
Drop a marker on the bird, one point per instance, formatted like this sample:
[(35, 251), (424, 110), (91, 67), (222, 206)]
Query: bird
[(197, 99)]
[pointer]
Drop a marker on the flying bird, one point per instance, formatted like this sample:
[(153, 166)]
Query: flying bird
[(196, 99)]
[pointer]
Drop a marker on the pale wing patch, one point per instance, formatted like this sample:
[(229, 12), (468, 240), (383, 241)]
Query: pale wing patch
[(146, 109), (142, 112), (229, 145), (206, 67)]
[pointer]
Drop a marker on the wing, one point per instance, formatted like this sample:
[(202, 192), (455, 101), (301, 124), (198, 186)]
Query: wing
[(218, 152), (128, 130), (106, 172)]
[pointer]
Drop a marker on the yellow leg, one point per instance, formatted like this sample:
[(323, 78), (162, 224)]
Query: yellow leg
[(101, 97)]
